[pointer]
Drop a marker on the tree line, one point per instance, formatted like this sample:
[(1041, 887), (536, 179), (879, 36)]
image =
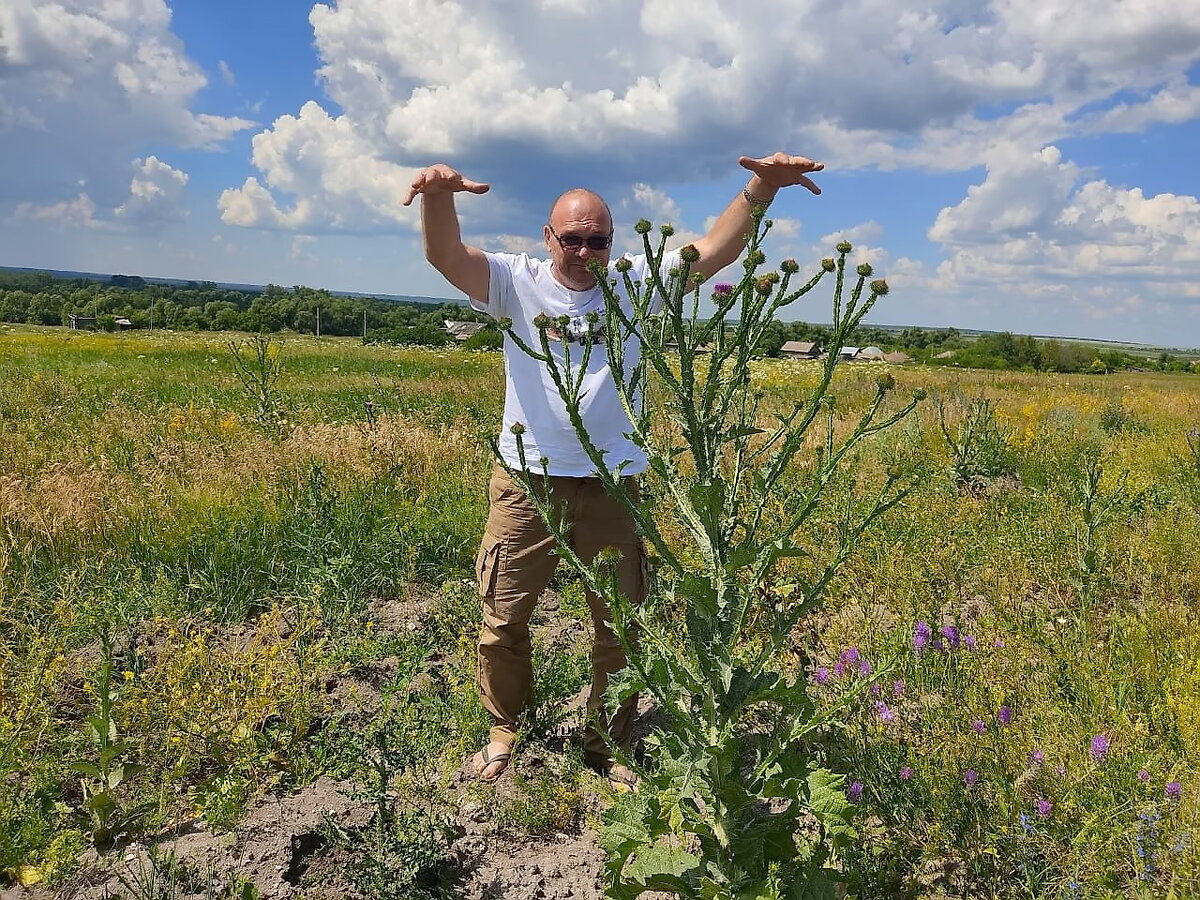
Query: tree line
[(39, 298), (42, 299)]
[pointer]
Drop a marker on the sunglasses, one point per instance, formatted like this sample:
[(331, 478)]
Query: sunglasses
[(574, 242)]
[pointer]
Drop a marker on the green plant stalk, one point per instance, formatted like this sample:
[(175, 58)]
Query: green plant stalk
[(705, 672)]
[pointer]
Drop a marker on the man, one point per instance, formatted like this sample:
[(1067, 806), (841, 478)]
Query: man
[(516, 557)]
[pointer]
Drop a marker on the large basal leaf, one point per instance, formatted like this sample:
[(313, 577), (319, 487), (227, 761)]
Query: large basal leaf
[(828, 802), (664, 866)]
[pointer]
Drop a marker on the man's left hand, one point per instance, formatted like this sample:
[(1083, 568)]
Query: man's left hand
[(780, 170)]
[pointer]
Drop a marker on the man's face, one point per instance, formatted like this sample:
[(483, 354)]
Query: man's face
[(577, 216)]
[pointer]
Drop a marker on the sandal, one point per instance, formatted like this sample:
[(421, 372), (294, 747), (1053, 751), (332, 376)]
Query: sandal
[(622, 780), (488, 759)]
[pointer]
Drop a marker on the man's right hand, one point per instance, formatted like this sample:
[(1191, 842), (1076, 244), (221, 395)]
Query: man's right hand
[(441, 179)]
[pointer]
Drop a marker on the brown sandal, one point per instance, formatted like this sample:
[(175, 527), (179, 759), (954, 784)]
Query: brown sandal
[(488, 759)]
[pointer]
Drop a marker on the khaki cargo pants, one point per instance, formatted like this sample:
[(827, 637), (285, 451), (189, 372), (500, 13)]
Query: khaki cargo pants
[(514, 566)]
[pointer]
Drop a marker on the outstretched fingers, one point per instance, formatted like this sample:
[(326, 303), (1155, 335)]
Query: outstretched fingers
[(782, 170), (441, 179)]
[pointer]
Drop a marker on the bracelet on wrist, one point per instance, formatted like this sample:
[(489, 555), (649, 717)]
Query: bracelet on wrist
[(755, 201)]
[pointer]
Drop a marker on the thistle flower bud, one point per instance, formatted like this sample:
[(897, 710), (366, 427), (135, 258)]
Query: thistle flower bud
[(886, 381), (544, 461), (763, 286), (895, 472), (920, 394), (697, 278), (828, 264), (609, 554), (789, 266), (865, 270), (592, 318), (773, 277), (563, 321), (623, 264), (844, 247), (643, 226), (517, 428), (667, 230), (673, 272), (879, 286), (597, 268), (689, 254), (541, 321), (504, 324)]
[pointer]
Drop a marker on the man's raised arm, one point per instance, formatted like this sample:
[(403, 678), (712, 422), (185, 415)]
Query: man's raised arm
[(727, 238), (464, 267)]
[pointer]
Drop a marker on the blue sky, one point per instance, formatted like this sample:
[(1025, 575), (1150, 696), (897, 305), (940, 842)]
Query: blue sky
[(1026, 165)]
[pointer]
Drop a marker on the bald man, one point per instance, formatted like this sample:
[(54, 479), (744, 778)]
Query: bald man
[(516, 558)]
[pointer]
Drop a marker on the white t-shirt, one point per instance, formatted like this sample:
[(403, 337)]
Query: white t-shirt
[(521, 288)]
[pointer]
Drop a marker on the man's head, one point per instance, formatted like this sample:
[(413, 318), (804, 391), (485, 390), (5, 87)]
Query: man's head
[(578, 224)]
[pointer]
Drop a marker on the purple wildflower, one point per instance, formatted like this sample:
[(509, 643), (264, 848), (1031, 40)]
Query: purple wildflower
[(1004, 716), (921, 635), (822, 676), (722, 287), (887, 715), (978, 726), (854, 792), (950, 633), (969, 642), (970, 777), (906, 773), (839, 670), (864, 667), (898, 688), (1037, 757), (849, 656), (998, 644), (876, 690), (1060, 769), (1174, 790), (1099, 747), (938, 645), (1044, 808), (1143, 776)]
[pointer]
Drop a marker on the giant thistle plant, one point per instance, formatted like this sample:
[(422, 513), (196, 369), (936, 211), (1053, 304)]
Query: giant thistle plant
[(735, 801)]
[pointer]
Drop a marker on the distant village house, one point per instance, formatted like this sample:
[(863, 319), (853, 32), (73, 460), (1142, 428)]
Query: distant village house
[(800, 350), (81, 323), (462, 330)]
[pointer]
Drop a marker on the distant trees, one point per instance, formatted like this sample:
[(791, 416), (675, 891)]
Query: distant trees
[(41, 299)]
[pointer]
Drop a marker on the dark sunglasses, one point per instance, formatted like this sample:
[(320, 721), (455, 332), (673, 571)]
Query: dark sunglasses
[(574, 241)]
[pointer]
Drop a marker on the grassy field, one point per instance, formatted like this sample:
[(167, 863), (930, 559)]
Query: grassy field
[(192, 562)]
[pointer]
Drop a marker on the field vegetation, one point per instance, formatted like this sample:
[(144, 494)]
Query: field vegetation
[(202, 542)]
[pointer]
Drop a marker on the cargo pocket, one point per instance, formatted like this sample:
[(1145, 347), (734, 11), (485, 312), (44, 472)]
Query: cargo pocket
[(487, 565)]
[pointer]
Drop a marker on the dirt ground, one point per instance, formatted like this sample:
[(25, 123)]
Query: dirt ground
[(280, 845)]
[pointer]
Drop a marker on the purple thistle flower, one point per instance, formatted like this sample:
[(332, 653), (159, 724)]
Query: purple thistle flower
[(1044, 808), (921, 635), (1037, 757), (970, 777), (839, 670), (1174, 790), (978, 726), (822, 675), (1004, 716), (886, 714), (938, 645), (1060, 769), (854, 792), (722, 287), (1143, 776), (950, 633), (898, 688), (906, 773), (849, 656), (969, 642), (998, 644), (1099, 747), (864, 667), (876, 690)]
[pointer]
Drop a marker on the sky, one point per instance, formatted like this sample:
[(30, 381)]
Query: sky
[(1020, 165)]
